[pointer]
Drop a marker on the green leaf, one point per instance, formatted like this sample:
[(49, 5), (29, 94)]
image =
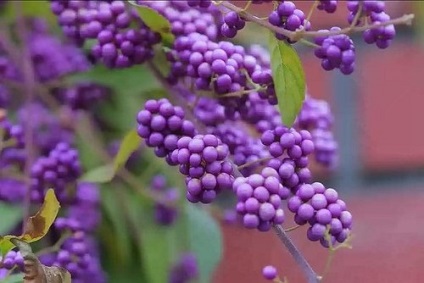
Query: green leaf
[(10, 217), (154, 242), (130, 143), (289, 79), (113, 206), (100, 175), (37, 8), (14, 278), (155, 22), (117, 79), (155, 253), (205, 240), (161, 62), (105, 173), (128, 86)]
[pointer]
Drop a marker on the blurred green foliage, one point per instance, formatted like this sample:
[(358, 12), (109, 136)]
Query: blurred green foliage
[(134, 247)]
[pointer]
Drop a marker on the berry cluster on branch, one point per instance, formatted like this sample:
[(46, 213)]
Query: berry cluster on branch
[(218, 126)]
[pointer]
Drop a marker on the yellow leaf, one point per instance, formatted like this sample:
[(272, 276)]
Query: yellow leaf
[(36, 226), (5, 244)]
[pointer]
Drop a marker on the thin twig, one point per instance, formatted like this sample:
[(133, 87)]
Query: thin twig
[(296, 35), (247, 164), (292, 228), (308, 43), (307, 269), (357, 16), (332, 250), (9, 273), (56, 247), (311, 10)]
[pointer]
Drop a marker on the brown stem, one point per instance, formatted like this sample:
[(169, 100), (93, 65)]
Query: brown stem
[(296, 35), (307, 269), (55, 247), (254, 162), (29, 82)]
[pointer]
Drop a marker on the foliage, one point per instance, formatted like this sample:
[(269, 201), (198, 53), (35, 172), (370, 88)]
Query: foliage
[(136, 114), (289, 79)]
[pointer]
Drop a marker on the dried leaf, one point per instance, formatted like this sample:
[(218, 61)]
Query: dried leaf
[(36, 272), (38, 225)]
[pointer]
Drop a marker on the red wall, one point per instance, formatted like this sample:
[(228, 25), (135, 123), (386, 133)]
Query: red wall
[(388, 246)]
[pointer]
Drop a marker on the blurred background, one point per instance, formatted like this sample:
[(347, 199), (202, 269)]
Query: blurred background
[(379, 118)]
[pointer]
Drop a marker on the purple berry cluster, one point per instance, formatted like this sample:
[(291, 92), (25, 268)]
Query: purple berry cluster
[(12, 136), (294, 147), (47, 128), (122, 39), (199, 3), (381, 36), (53, 59), (232, 24), (374, 12), (316, 117), (83, 213), (209, 112), (184, 270), (203, 159), (336, 51), (57, 170), (83, 96), (259, 198), (12, 259), (161, 125), (221, 68), (12, 190), (165, 214), (251, 152), (321, 208), (184, 18), (79, 253), (260, 114), (235, 123), (330, 6), (366, 8), (79, 256), (244, 149), (287, 16), (12, 133)]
